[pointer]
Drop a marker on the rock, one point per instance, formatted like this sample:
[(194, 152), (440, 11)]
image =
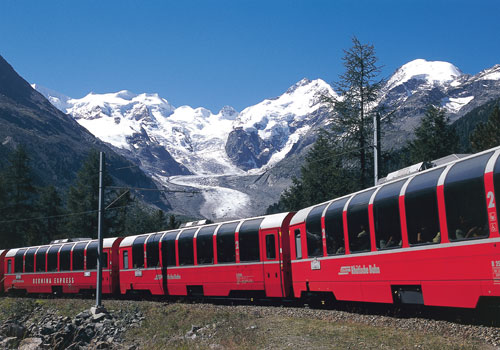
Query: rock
[(99, 317), (102, 345), (9, 343), (13, 329)]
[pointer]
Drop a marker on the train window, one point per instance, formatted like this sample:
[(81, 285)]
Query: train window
[(52, 258), (29, 260), (386, 216), (298, 244), (313, 231), (104, 260), (138, 252), (9, 266), (358, 224), (270, 247), (205, 245), (78, 257), (186, 252), (334, 228), (168, 248), (226, 252), (466, 200), (40, 259), (65, 257), (19, 261), (496, 179), (422, 217), (248, 237), (153, 250), (125, 259), (92, 256)]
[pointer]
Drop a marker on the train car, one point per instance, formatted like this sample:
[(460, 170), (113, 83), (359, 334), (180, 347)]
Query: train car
[(431, 238), (68, 268), (241, 258), (2, 258)]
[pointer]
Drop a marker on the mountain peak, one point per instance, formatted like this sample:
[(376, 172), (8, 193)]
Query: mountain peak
[(430, 71), (228, 112)]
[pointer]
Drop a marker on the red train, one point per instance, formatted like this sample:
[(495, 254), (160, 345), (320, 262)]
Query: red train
[(430, 238)]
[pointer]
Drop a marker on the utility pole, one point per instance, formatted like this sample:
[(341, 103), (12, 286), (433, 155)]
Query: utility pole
[(98, 303)]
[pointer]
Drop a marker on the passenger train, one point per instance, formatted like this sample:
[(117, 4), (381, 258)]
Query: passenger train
[(430, 238)]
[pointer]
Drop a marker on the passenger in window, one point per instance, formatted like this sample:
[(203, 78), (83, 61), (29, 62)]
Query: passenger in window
[(363, 240), (424, 236), (341, 250), (464, 229), (437, 238)]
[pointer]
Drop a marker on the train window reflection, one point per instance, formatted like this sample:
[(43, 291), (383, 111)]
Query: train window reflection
[(186, 250), (314, 237), (226, 252), (205, 245), (358, 224), (138, 252), (168, 248), (78, 256), (386, 216), (422, 217), (249, 240), (334, 227), (466, 200)]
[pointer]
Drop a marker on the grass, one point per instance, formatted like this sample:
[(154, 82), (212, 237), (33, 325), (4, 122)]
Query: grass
[(224, 328)]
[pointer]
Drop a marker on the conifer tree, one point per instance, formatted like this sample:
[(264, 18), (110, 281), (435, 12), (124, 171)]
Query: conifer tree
[(434, 137), (48, 206), (487, 135), (20, 195), (353, 111), (83, 197)]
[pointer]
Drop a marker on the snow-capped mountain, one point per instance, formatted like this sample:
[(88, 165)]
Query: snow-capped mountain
[(231, 155)]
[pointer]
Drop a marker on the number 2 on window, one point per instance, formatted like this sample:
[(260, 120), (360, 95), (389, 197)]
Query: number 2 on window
[(491, 200)]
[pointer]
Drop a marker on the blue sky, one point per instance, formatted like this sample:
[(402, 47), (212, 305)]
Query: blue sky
[(214, 53)]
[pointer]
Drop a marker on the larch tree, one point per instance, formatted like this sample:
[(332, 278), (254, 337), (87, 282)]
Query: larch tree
[(354, 109)]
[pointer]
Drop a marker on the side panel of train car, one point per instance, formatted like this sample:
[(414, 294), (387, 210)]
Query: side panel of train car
[(238, 258), (2, 258), (429, 239), (62, 268)]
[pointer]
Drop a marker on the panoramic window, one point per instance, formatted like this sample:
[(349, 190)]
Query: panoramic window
[(40, 259), (92, 255), (313, 231), (422, 217), (496, 179), (19, 261), (386, 216), (153, 250), (226, 252), (186, 250), (65, 257), (168, 248), (52, 258), (138, 252), (29, 260), (358, 224), (205, 245), (248, 236), (334, 227), (465, 199), (78, 256)]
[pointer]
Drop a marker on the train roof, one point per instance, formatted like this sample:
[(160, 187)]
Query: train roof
[(106, 243), (273, 221), (450, 160)]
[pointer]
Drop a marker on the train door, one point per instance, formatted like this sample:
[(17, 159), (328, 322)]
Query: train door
[(272, 263)]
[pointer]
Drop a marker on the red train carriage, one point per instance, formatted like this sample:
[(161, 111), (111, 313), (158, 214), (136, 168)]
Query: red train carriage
[(431, 238), (62, 268), (2, 258), (247, 257)]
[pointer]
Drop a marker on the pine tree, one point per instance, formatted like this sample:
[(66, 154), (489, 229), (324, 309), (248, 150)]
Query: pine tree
[(83, 199), (487, 135), (49, 206), (20, 195), (172, 223), (352, 113), (434, 137)]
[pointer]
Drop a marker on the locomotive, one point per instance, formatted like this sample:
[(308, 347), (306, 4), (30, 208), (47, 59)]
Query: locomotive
[(428, 238)]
